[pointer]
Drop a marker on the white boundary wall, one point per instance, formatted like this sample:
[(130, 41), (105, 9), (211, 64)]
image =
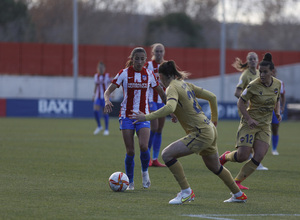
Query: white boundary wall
[(12, 86)]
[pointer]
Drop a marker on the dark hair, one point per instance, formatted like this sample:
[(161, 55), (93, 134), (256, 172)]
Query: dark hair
[(267, 61), (133, 52), (169, 69)]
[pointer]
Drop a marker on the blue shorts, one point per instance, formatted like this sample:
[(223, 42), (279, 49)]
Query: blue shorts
[(274, 119), (100, 102), (127, 123), (155, 106)]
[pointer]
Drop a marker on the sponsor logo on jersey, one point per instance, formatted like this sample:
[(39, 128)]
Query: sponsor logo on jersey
[(136, 85)]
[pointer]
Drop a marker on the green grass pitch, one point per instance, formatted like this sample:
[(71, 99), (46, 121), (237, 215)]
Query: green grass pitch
[(57, 169)]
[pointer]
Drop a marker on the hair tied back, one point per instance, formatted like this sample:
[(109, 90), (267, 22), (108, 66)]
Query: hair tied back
[(267, 57)]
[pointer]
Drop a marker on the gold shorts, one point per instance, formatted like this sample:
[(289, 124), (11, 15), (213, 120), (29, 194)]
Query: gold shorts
[(202, 142), (247, 136)]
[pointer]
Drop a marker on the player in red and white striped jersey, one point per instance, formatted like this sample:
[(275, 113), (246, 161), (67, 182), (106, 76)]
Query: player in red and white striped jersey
[(155, 102), (102, 81), (136, 81)]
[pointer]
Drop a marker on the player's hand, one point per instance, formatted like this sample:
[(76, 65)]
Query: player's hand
[(278, 116), (252, 123), (174, 118), (108, 107), (139, 117)]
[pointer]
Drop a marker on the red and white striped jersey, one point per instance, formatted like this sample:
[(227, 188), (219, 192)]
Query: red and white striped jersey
[(102, 82), (153, 95), (136, 87)]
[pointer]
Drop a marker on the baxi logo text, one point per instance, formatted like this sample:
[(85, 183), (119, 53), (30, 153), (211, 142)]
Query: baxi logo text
[(55, 106)]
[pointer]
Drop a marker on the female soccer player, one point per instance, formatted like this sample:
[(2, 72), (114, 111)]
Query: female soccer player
[(201, 133), (254, 131), (275, 122), (249, 73), (102, 81), (155, 103), (136, 81)]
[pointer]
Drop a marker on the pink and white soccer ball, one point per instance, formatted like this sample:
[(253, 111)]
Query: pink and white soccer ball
[(118, 181)]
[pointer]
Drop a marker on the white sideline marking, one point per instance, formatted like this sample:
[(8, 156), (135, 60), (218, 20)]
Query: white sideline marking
[(220, 216)]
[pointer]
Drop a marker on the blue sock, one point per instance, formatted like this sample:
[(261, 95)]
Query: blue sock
[(151, 140), (156, 145), (106, 121), (145, 158), (275, 139), (129, 167), (97, 117)]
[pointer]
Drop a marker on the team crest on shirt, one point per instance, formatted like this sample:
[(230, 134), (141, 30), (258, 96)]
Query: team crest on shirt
[(276, 90), (144, 77), (242, 139)]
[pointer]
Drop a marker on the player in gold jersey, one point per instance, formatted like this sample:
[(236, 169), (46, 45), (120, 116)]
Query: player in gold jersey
[(254, 131), (201, 137), (249, 73)]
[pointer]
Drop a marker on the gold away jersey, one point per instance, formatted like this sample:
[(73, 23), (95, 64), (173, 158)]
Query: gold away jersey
[(181, 99), (262, 100), (246, 77)]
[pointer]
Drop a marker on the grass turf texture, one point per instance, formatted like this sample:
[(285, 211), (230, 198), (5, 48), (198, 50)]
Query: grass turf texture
[(57, 169)]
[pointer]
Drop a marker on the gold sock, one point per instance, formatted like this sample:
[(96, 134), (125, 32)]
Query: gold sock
[(225, 175), (246, 170), (178, 173), (230, 156)]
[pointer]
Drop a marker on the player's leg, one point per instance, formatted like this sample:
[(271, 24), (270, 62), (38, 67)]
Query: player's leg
[(170, 154), (96, 109), (153, 129), (143, 132), (127, 129), (157, 143), (275, 138), (213, 164), (106, 117), (260, 150)]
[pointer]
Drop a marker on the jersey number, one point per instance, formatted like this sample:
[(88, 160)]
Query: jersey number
[(191, 95), (249, 138)]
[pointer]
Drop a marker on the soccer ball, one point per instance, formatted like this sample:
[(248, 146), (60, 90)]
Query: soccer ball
[(118, 181)]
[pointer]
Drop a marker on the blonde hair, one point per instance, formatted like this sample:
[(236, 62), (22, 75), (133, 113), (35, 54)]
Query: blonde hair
[(132, 54), (239, 65), (153, 46)]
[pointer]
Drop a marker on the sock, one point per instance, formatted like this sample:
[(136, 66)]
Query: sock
[(176, 168), (97, 117), (151, 140), (275, 139), (187, 191), (106, 118), (231, 156), (247, 170), (129, 167), (145, 158), (227, 178), (156, 145), (238, 194)]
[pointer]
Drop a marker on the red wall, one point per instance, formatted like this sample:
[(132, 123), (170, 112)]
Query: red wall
[(56, 59), (2, 107)]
